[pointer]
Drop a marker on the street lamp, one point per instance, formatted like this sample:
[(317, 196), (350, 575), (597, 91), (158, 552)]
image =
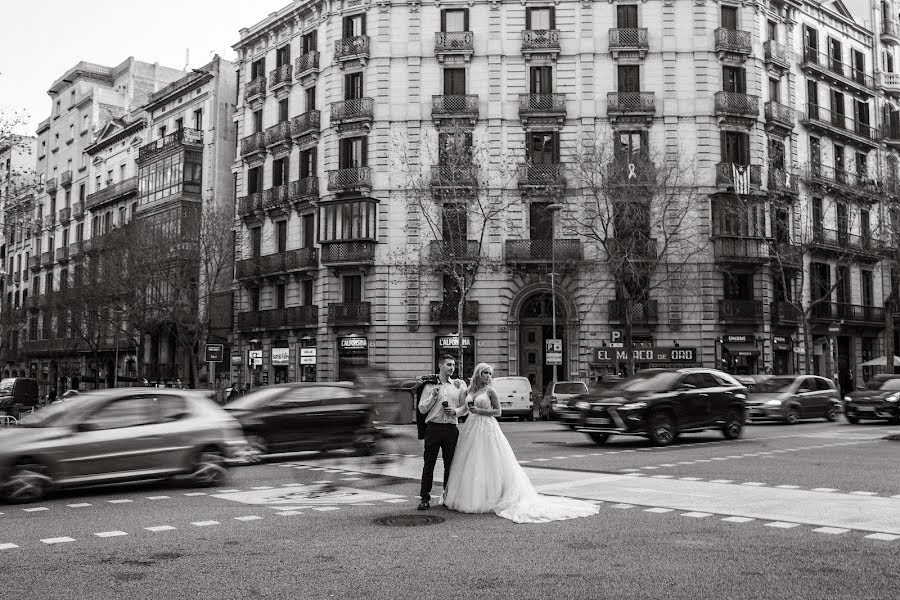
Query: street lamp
[(553, 209)]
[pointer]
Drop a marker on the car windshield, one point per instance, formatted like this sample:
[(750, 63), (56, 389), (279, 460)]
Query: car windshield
[(6, 385), (255, 399), (891, 384), (55, 415), (570, 387), (773, 384), (647, 381)]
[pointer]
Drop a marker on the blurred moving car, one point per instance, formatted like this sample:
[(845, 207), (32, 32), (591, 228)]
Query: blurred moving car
[(557, 395), (751, 381), (660, 404), (790, 398), (514, 393), (880, 400), (305, 416), (569, 415), (117, 435)]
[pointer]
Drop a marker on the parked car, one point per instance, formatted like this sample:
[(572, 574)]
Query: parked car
[(790, 398), (557, 395), (514, 393), (117, 435), (291, 417), (879, 400), (660, 404), (17, 393)]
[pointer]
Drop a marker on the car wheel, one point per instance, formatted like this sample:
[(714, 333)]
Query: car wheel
[(208, 469), (733, 426), (599, 438), (852, 419), (27, 482), (662, 428), (793, 417), (831, 415)]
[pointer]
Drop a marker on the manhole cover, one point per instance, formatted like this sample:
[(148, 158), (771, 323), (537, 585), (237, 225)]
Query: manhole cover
[(408, 520)]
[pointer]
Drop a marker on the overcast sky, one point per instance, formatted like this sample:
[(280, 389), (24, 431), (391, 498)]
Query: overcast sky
[(41, 39)]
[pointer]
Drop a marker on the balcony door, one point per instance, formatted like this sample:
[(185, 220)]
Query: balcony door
[(540, 18), (834, 55), (454, 20), (281, 235), (738, 286), (820, 284), (543, 147), (629, 78), (353, 86), (627, 16), (355, 25), (541, 80), (734, 79), (811, 43), (352, 289), (283, 56), (842, 291), (454, 82), (353, 153), (729, 17), (735, 147), (540, 222), (255, 242), (818, 218), (310, 42), (843, 224), (454, 224)]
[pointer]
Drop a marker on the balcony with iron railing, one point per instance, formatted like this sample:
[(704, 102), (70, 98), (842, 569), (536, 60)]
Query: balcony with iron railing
[(348, 253), (62, 254), (630, 103), (890, 133), (34, 263), (834, 70), (741, 179), (65, 178), (890, 83), (349, 313), (454, 43), (827, 311), (65, 214), (278, 318), (865, 247), (353, 179), (306, 64), (255, 89), (542, 106), (251, 205), (275, 199), (176, 140), (116, 191), (280, 263), (840, 125), (785, 313), (831, 178), (281, 77), (453, 177), (632, 248), (738, 249), (351, 48), (303, 191), (565, 254), (642, 312), (783, 182), (51, 184), (306, 123), (447, 313), (543, 42), (733, 42), (777, 55), (75, 249), (254, 145), (48, 258), (890, 32), (454, 106), (542, 176), (779, 117), (740, 312), (278, 136), (736, 105), (77, 210), (353, 110), (628, 40), (442, 252), (786, 255)]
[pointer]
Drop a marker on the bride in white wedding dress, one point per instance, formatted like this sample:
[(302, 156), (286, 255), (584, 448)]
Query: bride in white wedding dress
[(486, 476)]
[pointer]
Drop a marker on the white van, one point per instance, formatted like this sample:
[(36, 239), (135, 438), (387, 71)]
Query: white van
[(514, 394)]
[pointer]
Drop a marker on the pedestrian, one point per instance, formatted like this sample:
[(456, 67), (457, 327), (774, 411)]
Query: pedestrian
[(487, 476), (51, 397), (441, 404)]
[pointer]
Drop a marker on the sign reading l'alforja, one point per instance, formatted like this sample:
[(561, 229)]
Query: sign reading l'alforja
[(654, 355)]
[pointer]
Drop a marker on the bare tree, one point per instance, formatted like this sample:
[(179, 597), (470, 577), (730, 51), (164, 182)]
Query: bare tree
[(638, 212)]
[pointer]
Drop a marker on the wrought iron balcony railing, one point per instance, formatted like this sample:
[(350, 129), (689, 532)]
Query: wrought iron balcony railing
[(301, 259), (542, 175), (842, 311), (51, 184), (278, 135), (833, 68), (308, 122), (65, 178), (349, 313), (779, 114), (628, 38), (456, 176), (275, 318), (642, 312), (442, 251), (740, 311), (356, 109), (250, 204), (785, 313), (736, 104), (448, 106), (348, 252), (352, 47), (633, 249), (279, 76), (777, 54), (448, 312), (740, 249), (631, 102), (540, 104), (62, 254), (351, 179), (255, 143), (452, 42), (542, 40), (733, 41), (853, 183), (839, 240), (256, 88), (65, 215), (783, 181), (544, 252), (275, 197), (740, 177), (176, 139), (77, 210), (839, 123), (306, 64), (303, 190), (112, 192)]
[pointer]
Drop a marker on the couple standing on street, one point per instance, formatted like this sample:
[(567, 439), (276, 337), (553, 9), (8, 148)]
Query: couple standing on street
[(486, 477)]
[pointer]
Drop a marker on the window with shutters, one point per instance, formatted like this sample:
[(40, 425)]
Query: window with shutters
[(811, 43), (353, 86), (353, 153), (542, 147), (629, 78), (835, 53), (839, 160), (255, 241), (454, 82), (283, 56), (355, 25), (626, 16), (736, 147), (258, 68), (310, 42), (283, 110), (279, 171), (352, 289), (815, 155), (280, 295), (541, 80), (254, 180), (729, 17), (774, 90), (310, 94), (540, 18), (734, 79), (281, 236), (308, 163), (307, 230), (455, 20)]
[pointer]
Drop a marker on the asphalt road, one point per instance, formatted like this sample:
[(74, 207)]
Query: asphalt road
[(804, 511)]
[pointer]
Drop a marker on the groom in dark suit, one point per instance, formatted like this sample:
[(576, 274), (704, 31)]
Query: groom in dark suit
[(441, 405)]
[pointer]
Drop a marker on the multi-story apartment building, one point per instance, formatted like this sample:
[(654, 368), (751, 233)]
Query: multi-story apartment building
[(17, 188), (776, 109), (79, 169)]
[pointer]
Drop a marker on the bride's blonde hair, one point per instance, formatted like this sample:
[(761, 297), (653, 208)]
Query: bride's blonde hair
[(477, 381)]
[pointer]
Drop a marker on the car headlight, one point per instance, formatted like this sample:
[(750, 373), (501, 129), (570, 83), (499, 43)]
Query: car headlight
[(893, 397), (773, 402), (635, 406), (846, 398), (582, 405)]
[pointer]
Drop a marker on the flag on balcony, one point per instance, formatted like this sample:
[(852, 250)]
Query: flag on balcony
[(741, 176)]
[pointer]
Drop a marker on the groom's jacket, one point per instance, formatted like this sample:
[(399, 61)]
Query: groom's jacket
[(420, 387)]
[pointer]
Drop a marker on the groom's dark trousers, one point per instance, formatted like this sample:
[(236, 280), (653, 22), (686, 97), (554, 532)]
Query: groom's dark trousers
[(439, 437)]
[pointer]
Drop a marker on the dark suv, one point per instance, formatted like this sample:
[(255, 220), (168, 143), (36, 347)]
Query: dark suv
[(880, 400), (662, 403)]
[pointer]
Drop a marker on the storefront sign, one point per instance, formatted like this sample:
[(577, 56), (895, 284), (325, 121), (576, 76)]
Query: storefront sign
[(353, 344), (452, 341), (739, 338), (255, 358), (781, 343), (281, 357), (651, 355)]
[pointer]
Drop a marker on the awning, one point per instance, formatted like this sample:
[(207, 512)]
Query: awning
[(742, 349)]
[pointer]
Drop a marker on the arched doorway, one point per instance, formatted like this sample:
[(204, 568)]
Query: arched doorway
[(535, 328)]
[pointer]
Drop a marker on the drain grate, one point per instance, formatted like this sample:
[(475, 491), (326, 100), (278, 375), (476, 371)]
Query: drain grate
[(408, 520)]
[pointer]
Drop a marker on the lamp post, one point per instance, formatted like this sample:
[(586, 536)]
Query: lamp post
[(553, 209)]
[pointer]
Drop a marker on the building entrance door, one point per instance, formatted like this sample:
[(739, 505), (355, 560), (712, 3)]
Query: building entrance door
[(533, 356), (536, 318)]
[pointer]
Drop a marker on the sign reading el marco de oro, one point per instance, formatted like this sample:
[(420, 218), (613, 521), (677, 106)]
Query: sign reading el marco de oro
[(653, 355)]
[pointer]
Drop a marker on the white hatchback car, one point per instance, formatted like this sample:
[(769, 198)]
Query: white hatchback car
[(514, 394)]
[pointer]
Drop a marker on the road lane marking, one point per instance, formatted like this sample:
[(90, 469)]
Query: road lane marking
[(738, 519), (79, 505), (696, 515), (121, 501), (782, 525), (160, 528), (656, 509), (7, 546), (828, 490), (862, 493), (663, 476), (248, 518), (108, 534), (622, 505), (691, 478), (721, 480), (831, 530), (158, 497), (58, 540), (262, 487), (204, 523), (324, 508), (196, 494), (754, 483), (788, 487), (396, 500), (231, 491), (884, 537), (37, 509), (288, 513)]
